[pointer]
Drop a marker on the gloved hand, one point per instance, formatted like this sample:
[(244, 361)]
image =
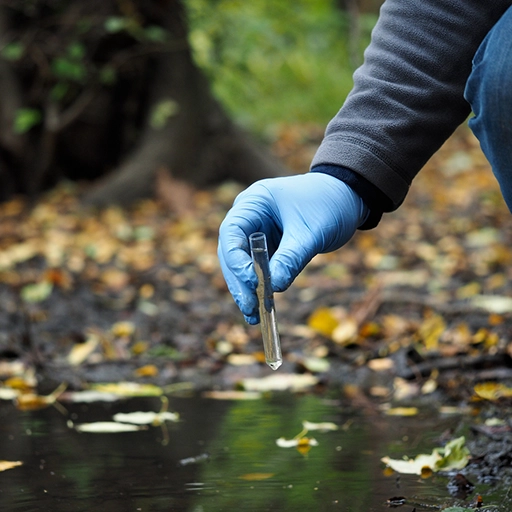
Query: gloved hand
[(301, 216)]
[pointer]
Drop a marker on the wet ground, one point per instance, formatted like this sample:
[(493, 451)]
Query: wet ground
[(415, 314)]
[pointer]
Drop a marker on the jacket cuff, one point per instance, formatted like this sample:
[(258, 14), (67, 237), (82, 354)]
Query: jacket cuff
[(376, 201)]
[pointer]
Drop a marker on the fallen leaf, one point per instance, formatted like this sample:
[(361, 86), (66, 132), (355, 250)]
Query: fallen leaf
[(346, 332), (89, 396), (8, 464), (32, 401), (128, 389), (492, 303), (8, 393), (36, 292), (107, 427), (492, 390), (148, 370), (146, 418), (325, 426), (293, 443), (81, 351), (430, 331), (402, 411), (323, 321), (232, 395), (452, 456), (381, 364)]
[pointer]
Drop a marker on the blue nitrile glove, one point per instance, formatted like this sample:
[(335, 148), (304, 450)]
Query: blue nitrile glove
[(301, 216)]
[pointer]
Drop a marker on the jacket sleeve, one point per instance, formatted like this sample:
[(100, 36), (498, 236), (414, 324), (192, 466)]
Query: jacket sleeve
[(407, 97)]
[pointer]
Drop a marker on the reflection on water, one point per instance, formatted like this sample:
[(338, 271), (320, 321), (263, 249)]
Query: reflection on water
[(238, 465)]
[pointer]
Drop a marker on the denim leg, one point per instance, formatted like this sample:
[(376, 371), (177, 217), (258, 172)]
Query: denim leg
[(489, 91)]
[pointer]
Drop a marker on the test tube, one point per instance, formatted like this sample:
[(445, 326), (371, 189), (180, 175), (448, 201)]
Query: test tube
[(271, 345)]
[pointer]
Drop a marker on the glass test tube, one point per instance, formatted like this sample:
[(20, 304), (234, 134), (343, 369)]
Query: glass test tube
[(271, 345)]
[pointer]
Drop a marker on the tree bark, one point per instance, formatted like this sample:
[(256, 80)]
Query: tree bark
[(198, 143)]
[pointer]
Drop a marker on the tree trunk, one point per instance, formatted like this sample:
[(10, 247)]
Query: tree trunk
[(159, 115)]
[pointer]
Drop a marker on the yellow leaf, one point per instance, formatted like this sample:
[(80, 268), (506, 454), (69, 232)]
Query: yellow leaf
[(8, 464), (346, 332), (492, 390), (430, 331), (31, 401), (148, 370), (81, 351), (402, 411), (452, 456), (146, 417), (128, 389), (123, 329), (323, 321)]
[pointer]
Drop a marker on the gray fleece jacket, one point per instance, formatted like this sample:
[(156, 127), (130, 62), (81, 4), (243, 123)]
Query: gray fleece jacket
[(407, 97)]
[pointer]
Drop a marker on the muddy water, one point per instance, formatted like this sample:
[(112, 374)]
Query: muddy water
[(229, 459)]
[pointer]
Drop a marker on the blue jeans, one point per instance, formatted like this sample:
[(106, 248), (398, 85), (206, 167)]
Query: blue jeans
[(489, 92)]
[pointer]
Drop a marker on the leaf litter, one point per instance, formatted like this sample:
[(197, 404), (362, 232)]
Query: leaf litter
[(138, 292)]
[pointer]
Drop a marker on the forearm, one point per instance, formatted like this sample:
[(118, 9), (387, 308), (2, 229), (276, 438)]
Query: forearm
[(408, 95)]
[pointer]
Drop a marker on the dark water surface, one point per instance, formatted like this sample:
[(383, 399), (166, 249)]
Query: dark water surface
[(67, 471)]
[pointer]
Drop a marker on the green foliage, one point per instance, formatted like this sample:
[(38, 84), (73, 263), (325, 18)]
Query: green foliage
[(162, 112), (13, 51), (273, 62), (26, 118)]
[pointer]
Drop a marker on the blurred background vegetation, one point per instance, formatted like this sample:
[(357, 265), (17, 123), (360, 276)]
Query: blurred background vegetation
[(280, 62), (121, 93)]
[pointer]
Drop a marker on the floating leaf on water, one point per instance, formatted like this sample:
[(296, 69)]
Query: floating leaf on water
[(454, 455), (325, 426), (381, 364), (294, 443), (9, 464), (146, 418), (281, 382), (346, 332), (232, 395), (123, 329), (128, 389), (32, 401), (256, 477), (107, 427)]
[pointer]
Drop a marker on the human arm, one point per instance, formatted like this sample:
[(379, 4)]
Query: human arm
[(407, 97)]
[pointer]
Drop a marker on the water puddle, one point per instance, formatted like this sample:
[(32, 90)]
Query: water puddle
[(221, 455)]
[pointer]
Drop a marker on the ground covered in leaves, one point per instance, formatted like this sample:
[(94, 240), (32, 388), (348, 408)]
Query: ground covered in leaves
[(416, 310)]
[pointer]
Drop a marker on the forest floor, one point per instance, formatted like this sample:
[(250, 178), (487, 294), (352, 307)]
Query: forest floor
[(418, 310)]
